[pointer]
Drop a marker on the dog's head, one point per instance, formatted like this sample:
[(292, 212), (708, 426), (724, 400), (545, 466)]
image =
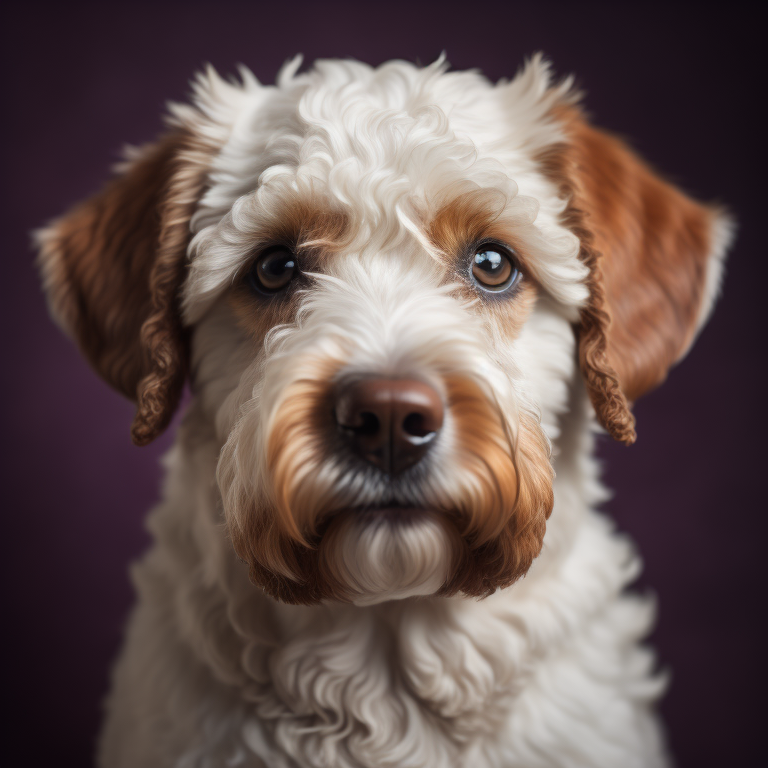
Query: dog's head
[(383, 284)]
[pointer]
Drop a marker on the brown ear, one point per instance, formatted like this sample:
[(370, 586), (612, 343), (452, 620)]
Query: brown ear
[(112, 268), (654, 257)]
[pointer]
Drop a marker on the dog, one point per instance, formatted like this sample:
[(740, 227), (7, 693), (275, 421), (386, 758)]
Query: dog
[(405, 300)]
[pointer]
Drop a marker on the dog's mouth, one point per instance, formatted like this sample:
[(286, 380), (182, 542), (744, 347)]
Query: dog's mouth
[(392, 514)]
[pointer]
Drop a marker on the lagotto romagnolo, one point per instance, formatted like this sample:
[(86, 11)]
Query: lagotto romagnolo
[(405, 300)]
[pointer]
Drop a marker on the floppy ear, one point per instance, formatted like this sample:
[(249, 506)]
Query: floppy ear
[(655, 260), (112, 268)]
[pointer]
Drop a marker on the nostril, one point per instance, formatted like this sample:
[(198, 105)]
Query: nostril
[(416, 428), (369, 424), (359, 423)]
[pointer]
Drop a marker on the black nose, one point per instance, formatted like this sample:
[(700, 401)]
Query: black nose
[(391, 423)]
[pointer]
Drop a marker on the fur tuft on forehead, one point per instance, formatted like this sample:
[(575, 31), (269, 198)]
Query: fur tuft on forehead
[(387, 150)]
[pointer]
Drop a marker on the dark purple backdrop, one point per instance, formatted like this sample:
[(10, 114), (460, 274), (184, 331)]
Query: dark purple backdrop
[(683, 83)]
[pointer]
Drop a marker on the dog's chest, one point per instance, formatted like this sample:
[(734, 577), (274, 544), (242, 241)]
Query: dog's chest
[(419, 682), (416, 683)]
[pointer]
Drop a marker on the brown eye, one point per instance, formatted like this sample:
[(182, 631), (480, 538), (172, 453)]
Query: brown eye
[(273, 270), (493, 268)]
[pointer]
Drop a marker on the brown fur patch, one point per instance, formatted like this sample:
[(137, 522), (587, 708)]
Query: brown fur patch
[(256, 315), (646, 245), (462, 222), (508, 315), (276, 534), (112, 268), (465, 220), (502, 530), (305, 421)]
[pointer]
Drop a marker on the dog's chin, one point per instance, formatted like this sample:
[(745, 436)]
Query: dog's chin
[(390, 553)]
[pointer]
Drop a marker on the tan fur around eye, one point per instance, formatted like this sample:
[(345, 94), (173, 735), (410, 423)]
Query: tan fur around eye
[(316, 233), (458, 225), (464, 220)]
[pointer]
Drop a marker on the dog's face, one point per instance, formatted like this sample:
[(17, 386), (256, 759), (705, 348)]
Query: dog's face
[(384, 284)]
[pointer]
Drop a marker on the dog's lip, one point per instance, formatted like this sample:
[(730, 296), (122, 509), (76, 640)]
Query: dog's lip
[(394, 513), (391, 514)]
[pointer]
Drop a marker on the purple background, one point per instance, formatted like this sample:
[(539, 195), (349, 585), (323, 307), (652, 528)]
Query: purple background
[(81, 81)]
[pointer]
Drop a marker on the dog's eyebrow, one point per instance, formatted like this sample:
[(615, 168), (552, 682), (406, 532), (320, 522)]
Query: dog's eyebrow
[(304, 224), (467, 219), (322, 229)]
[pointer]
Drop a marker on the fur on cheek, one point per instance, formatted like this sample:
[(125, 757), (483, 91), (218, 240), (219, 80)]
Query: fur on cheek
[(272, 507), (505, 495)]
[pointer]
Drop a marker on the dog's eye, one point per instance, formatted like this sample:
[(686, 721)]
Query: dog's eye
[(273, 270), (493, 268)]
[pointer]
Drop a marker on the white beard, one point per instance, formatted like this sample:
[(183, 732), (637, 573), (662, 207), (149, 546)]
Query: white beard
[(380, 559)]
